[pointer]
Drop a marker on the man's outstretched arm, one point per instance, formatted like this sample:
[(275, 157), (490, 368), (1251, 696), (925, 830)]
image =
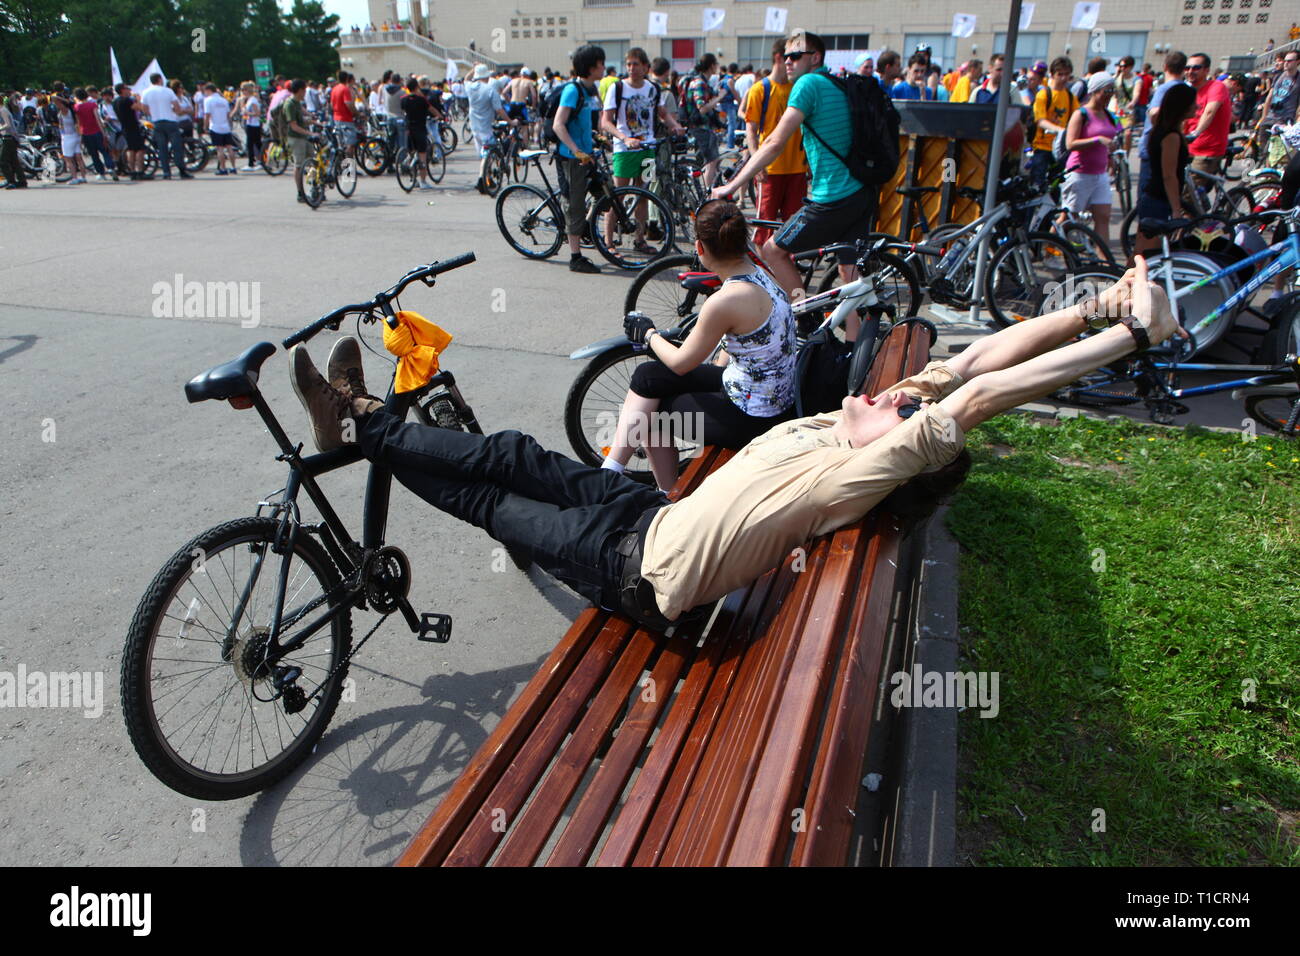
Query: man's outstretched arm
[(1000, 390)]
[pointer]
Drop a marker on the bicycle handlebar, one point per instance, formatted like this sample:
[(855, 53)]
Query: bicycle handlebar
[(380, 302)]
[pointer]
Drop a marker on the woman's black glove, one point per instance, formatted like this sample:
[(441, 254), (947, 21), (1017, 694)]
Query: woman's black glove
[(636, 325)]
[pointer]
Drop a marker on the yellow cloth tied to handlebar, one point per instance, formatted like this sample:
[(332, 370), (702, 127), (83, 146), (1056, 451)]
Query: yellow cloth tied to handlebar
[(417, 343)]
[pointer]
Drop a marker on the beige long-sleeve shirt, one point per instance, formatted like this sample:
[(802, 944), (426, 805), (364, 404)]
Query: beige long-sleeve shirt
[(790, 484)]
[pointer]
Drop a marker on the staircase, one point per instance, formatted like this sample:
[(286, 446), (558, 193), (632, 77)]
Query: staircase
[(436, 52)]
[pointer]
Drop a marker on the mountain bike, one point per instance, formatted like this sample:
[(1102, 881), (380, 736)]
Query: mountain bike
[(1153, 378), (532, 220), (885, 293), (275, 157), (41, 163), (237, 654), (329, 166), (408, 165)]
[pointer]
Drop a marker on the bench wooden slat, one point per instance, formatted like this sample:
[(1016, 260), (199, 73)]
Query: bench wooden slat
[(579, 838), (765, 826), (663, 796), (837, 768), (480, 837), (530, 831), (713, 807), (449, 818)]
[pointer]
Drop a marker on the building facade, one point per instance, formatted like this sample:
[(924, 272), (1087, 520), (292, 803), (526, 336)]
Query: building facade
[(542, 33)]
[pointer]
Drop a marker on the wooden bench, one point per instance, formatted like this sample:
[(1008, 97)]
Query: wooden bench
[(738, 741)]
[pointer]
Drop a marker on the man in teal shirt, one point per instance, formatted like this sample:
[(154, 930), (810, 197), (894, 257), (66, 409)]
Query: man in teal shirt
[(838, 208)]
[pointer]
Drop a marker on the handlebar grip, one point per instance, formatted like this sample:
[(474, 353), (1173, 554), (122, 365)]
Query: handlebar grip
[(446, 265), (302, 335)]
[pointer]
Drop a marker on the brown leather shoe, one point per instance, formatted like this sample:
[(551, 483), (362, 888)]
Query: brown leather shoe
[(344, 369), (325, 405)]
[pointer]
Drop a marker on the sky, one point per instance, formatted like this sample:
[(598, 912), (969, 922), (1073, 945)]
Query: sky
[(349, 11)]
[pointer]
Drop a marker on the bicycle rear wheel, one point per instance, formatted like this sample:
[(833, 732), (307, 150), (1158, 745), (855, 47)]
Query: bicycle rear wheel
[(1022, 275), (405, 170), (494, 173), (530, 220), (1086, 242), (897, 290), (616, 239), (346, 176), (196, 692), (436, 165), (447, 133), (593, 403), (275, 158), (373, 156), (313, 186)]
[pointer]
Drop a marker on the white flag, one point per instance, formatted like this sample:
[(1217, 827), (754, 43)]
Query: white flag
[(658, 26), (112, 62), (963, 24), (774, 22), (713, 18), (452, 72), (1085, 15), (1026, 15), (143, 83)]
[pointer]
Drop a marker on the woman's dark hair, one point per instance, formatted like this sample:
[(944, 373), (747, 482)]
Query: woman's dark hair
[(722, 228), (1178, 103), (586, 57), (706, 62)]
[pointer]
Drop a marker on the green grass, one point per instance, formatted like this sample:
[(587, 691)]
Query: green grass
[(1121, 689)]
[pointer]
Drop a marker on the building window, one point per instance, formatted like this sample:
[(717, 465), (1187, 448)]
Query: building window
[(1225, 18), (943, 47), (514, 34), (1261, 18), (1243, 18), (1189, 4), (1030, 47), (550, 33), (848, 41), (1187, 20), (1265, 3), (1207, 4), (756, 51), (1226, 4), (514, 21), (615, 51), (1245, 4), (564, 31), (563, 20)]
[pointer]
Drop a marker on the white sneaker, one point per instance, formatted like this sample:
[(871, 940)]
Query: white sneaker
[(426, 185), (101, 178)]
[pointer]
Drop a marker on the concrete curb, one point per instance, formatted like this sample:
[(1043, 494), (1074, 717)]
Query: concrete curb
[(927, 797)]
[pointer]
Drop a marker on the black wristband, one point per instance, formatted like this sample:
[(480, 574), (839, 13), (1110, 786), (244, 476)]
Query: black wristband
[(1138, 331)]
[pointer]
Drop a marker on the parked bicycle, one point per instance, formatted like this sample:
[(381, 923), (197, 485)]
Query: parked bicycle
[(329, 166), (531, 218), (235, 659)]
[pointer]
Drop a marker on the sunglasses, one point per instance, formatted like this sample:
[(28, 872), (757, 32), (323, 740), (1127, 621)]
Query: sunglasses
[(910, 409), (795, 55)]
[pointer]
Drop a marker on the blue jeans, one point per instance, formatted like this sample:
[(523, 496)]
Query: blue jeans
[(167, 140), (733, 122), (566, 517), (397, 132)]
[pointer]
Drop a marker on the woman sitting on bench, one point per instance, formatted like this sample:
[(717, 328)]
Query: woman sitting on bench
[(623, 546), (726, 406)]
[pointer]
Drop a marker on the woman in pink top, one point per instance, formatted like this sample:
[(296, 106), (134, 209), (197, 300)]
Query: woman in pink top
[(1088, 136)]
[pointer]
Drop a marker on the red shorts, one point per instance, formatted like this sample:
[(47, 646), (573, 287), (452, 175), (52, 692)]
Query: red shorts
[(779, 197)]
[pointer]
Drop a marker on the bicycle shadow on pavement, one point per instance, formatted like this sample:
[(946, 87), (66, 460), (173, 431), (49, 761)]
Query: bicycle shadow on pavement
[(373, 780)]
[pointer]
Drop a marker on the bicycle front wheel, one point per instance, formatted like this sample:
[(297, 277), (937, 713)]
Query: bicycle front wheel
[(1278, 413), (530, 220), (1022, 275), (494, 173), (436, 166), (619, 220), (313, 185), (196, 691), (657, 291), (898, 293), (345, 177), (449, 138), (1086, 242)]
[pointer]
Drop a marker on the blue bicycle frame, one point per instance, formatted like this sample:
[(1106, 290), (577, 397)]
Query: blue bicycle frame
[(1287, 253)]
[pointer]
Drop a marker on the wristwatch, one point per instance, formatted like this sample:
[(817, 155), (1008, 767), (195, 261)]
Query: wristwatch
[(1092, 319), (1139, 332)]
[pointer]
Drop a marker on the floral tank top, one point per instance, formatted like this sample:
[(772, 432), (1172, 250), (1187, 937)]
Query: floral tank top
[(759, 380)]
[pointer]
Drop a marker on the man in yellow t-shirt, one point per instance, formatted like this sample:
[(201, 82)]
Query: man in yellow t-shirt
[(1053, 107), (963, 90), (782, 185)]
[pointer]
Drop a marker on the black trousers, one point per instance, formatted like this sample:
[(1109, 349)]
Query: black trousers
[(566, 517), (699, 392), (9, 162)]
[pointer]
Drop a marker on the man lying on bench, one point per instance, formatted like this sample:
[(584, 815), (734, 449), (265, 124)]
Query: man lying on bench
[(624, 547)]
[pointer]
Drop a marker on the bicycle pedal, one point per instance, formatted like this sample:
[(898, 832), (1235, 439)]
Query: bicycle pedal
[(439, 625)]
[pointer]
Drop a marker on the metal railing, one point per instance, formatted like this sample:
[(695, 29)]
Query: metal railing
[(410, 38), (1264, 61)]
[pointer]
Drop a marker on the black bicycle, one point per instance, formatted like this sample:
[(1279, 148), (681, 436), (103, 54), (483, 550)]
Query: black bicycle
[(532, 218), (237, 654)]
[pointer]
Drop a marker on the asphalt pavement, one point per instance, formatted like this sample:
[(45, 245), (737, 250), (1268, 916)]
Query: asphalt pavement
[(107, 471)]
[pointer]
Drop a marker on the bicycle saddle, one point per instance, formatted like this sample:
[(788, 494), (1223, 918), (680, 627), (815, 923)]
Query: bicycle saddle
[(704, 282), (233, 379), (1160, 227), (916, 192)]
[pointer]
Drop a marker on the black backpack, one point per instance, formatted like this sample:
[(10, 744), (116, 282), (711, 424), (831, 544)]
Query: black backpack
[(551, 105), (873, 152)]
